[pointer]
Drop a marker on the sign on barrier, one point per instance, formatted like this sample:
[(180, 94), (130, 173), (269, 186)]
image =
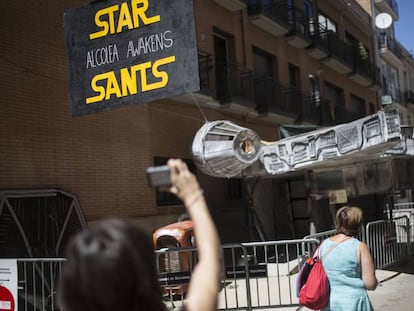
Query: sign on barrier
[(239, 272), (8, 284), (176, 278)]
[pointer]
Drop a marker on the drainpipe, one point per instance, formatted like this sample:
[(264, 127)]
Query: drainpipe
[(376, 52), (243, 34)]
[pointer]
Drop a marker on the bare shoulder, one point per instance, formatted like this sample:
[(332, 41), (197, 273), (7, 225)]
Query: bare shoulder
[(364, 254), (363, 247), (362, 250)]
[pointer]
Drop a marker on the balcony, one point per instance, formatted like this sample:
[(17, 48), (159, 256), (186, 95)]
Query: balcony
[(223, 86), (299, 34), (409, 97), (340, 54), (319, 47), (232, 5), (206, 95), (354, 12), (270, 15), (390, 49), (334, 114), (397, 95), (283, 104), (377, 79), (273, 102), (388, 6), (234, 87), (363, 72), (311, 109)]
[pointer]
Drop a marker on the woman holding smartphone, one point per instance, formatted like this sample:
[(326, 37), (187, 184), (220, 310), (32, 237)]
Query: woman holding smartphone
[(112, 265)]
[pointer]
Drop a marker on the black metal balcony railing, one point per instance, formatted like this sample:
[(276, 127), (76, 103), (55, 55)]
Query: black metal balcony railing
[(377, 77), (311, 105), (409, 97), (299, 22), (362, 64), (205, 69), (226, 81), (340, 49), (387, 42), (319, 36), (334, 114), (233, 82), (275, 10), (398, 96), (269, 97)]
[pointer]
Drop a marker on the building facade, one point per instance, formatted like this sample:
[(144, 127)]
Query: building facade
[(393, 59), (262, 64)]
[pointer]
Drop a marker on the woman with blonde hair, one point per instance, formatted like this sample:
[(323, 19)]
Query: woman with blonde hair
[(349, 266)]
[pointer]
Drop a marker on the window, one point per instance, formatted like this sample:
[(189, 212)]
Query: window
[(294, 76), (166, 198), (264, 63), (334, 94), (326, 22), (357, 105), (308, 6), (372, 109), (336, 107), (223, 56), (315, 89)]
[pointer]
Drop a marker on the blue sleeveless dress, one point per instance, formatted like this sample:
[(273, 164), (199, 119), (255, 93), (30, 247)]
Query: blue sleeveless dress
[(348, 292)]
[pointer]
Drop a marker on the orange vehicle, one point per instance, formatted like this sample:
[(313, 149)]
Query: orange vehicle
[(174, 267)]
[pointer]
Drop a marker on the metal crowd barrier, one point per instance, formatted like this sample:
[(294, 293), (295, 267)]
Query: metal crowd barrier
[(259, 275), (37, 283), (320, 236), (271, 273), (406, 209), (255, 275), (326, 234), (388, 240)]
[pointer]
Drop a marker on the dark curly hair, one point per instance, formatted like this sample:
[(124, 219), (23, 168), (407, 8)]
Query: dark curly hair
[(111, 267)]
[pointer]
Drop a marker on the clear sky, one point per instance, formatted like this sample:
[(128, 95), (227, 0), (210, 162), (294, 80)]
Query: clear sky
[(404, 27)]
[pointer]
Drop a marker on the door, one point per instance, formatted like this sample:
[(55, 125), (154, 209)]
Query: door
[(221, 57)]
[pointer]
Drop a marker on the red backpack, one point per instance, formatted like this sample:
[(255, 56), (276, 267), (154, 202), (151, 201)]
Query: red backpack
[(312, 285), (314, 293)]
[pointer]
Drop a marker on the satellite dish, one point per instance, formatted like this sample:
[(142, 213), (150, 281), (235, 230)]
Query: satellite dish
[(383, 20)]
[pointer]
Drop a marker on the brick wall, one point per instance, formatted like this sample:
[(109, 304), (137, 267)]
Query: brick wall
[(101, 158)]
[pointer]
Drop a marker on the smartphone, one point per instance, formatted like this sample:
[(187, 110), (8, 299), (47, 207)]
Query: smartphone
[(159, 176)]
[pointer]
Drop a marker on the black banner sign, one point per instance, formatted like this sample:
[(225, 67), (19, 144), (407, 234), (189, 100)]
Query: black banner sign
[(236, 272), (130, 52), (176, 278), (239, 272)]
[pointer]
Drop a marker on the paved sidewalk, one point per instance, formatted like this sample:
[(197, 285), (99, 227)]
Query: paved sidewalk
[(396, 289)]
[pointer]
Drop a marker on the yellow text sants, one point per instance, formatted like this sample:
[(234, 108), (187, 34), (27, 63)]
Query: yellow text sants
[(129, 17), (106, 85)]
